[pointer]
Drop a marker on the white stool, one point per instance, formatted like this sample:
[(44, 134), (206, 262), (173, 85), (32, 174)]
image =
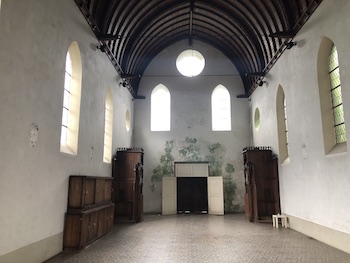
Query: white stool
[(283, 220)]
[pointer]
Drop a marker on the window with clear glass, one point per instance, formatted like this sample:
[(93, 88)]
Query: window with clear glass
[(285, 123), (331, 101), (336, 94), (71, 101), (282, 124), (107, 142), (221, 109), (66, 99), (160, 108), (127, 120)]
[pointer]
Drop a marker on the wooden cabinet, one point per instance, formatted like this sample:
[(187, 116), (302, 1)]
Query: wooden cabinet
[(83, 227), (88, 191), (128, 183), (262, 198), (90, 211)]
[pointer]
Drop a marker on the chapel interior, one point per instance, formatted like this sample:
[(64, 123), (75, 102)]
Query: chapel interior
[(106, 122)]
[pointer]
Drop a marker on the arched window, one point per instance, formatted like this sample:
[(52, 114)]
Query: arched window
[(257, 118), (333, 123), (160, 108), (281, 110), (337, 101), (221, 109), (127, 120), (71, 101), (107, 143)]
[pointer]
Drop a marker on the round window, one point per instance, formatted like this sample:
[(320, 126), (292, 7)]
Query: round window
[(257, 119)]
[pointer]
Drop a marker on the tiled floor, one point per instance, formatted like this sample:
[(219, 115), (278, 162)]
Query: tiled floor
[(203, 238)]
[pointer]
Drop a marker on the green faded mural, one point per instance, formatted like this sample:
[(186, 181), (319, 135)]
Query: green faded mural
[(196, 150), (166, 166)]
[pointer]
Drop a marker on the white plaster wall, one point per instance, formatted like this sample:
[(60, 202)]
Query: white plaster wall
[(190, 113), (314, 186), (35, 36)]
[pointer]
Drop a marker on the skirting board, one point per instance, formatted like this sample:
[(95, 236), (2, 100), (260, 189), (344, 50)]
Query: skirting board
[(331, 237), (36, 252)]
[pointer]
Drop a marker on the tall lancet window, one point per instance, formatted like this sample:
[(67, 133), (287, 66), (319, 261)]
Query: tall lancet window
[(221, 109), (160, 108)]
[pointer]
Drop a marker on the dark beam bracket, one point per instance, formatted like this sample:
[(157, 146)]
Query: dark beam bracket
[(93, 25), (107, 37), (301, 21), (282, 34)]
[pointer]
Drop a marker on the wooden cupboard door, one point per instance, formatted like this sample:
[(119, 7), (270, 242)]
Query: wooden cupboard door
[(89, 192), (110, 218), (108, 188), (75, 192), (92, 226), (84, 233), (105, 220), (100, 191), (102, 222), (72, 237)]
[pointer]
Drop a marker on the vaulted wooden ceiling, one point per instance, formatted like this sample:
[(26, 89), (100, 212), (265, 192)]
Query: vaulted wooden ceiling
[(251, 33)]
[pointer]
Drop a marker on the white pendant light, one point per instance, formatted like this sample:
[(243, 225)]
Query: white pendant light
[(190, 63)]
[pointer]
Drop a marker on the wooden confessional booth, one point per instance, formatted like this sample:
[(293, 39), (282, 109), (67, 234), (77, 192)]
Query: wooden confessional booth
[(262, 198), (127, 184)]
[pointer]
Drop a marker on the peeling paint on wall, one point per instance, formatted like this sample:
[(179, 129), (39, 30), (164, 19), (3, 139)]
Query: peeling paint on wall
[(33, 134)]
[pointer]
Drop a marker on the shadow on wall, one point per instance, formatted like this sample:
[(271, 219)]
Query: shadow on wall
[(194, 150)]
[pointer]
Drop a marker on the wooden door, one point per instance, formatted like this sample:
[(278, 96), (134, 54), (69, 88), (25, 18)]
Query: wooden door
[(215, 195), (169, 196), (192, 194), (184, 194), (199, 194)]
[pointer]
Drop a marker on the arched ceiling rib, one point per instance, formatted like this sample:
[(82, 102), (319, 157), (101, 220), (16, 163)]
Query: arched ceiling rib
[(251, 33)]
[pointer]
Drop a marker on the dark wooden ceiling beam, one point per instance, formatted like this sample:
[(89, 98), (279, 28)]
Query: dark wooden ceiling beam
[(133, 32)]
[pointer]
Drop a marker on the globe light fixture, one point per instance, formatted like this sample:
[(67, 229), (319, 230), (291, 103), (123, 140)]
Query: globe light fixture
[(190, 63)]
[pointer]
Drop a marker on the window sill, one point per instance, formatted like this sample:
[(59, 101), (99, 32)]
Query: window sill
[(67, 150), (338, 148)]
